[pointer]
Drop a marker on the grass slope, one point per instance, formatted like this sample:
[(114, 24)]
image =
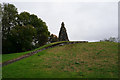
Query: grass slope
[(6, 57), (82, 60)]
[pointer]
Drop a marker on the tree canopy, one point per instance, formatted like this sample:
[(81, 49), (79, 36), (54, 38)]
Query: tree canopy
[(53, 38), (21, 32)]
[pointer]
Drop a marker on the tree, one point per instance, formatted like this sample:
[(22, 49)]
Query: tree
[(21, 30), (111, 39), (22, 37), (0, 16), (0, 21), (42, 31), (9, 17), (23, 18), (53, 38), (63, 34)]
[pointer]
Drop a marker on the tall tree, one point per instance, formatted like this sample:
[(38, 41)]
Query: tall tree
[(22, 37), (0, 20), (24, 18), (9, 17), (42, 31), (20, 30)]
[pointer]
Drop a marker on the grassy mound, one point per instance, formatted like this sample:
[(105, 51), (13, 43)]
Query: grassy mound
[(82, 60), (6, 57)]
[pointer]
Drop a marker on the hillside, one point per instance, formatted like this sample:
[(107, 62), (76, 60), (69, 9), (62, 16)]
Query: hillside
[(82, 60), (7, 57)]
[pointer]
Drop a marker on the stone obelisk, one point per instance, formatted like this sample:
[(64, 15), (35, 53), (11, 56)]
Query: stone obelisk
[(63, 33)]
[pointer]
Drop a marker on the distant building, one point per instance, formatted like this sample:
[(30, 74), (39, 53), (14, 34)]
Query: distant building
[(63, 33)]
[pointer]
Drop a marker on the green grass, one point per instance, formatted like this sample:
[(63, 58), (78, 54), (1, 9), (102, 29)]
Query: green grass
[(6, 57), (0, 58), (82, 60)]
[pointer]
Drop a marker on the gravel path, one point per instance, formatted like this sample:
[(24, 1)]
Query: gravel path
[(34, 52)]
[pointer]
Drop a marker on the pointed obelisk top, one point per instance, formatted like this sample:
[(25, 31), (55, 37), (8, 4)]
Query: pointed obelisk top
[(63, 33)]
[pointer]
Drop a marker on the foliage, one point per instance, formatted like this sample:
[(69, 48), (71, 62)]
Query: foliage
[(111, 39), (22, 31), (0, 16), (53, 38), (10, 13), (42, 32), (0, 23), (22, 37)]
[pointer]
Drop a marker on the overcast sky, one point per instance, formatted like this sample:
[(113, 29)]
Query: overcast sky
[(83, 20)]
